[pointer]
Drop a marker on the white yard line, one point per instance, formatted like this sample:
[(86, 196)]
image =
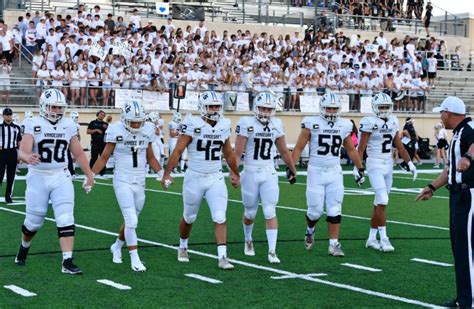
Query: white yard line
[(298, 276), (259, 267), (114, 284), (361, 267), (431, 262), (19, 291), (202, 278)]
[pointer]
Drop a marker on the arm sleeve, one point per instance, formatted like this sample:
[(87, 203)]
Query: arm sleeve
[(242, 127), (111, 135), (306, 123), (365, 125), (187, 127)]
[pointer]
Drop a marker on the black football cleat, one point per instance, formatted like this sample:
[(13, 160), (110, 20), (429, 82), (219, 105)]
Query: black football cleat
[(20, 258), (69, 268)]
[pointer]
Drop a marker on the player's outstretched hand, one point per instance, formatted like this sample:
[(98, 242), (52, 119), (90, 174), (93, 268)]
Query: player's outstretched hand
[(424, 195), (32, 158), (290, 175), (359, 175), (88, 183), (234, 180), (166, 182), (412, 169)]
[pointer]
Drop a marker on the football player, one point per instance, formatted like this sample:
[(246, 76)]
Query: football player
[(173, 128), (75, 117), (378, 135), (207, 139), (158, 146), (43, 148), (326, 133), (130, 140), (258, 136)]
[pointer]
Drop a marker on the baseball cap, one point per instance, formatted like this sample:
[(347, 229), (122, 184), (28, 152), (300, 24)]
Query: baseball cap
[(453, 105), (7, 111)]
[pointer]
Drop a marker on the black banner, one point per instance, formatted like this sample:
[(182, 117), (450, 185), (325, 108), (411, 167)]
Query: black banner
[(188, 12)]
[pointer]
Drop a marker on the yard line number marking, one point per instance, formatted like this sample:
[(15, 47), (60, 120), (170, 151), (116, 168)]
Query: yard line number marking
[(114, 284), (361, 267), (19, 291), (202, 278), (431, 262)]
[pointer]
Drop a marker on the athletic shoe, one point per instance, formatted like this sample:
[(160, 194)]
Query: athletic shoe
[(183, 255), (309, 241), (138, 266), (372, 243), (116, 254), (68, 267), (386, 246), (336, 250), (20, 258), (272, 258), (225, 264), (248, 248)]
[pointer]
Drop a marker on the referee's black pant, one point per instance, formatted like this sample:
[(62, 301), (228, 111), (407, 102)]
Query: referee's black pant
[(96, 151), (461, 229), (8, 161)]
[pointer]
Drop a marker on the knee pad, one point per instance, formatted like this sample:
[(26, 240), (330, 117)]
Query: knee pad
[(190, 218), (66, 231), (26, 231), (66, 217), (131, 221), (381, 197), (250, 212), (314, 212), (334, 220), (33, 222), (269, 211), (219, 217), (333, 211)]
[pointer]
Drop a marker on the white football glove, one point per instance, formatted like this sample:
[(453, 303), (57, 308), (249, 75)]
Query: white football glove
[(412, 169), (86, 188), (359, 176)]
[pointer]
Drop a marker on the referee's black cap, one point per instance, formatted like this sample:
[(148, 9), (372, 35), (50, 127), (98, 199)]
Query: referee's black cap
[(7, 111)]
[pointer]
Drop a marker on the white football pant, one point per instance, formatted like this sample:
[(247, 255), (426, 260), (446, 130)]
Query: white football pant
[(259, 183), (380, 173)]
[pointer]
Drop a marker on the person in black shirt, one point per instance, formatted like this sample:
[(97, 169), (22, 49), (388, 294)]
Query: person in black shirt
[(459, 175), (97, 130), (10, 139)]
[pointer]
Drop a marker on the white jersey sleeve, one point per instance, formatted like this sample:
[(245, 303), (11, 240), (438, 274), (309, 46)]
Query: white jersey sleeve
[(111, 134)]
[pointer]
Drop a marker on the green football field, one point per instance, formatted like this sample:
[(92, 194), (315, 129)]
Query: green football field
[(418, 273)]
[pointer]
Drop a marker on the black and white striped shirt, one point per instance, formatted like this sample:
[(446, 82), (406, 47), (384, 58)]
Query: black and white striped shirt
[(10, 135), (463, 137)]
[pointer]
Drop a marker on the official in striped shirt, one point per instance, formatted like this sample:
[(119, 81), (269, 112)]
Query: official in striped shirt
[(10, 140), (459, 175)]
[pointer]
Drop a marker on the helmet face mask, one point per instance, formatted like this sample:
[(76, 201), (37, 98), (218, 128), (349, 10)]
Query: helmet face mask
[(52, 105), (133, 116), (382, 105), (177, 117), (264, 107), (206, 105), (74, 116), (153, 117), (330, 107)]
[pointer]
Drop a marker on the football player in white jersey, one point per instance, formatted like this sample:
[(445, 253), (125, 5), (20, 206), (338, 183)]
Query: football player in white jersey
[(378, 135), (130, 140), (207, 139), (326, 134), (158, 145), (75, 117), (173, 130), (257, 136), (43, 148)]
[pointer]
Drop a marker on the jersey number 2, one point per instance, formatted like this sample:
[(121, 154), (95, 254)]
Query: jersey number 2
[(58, 153), (387, 143), (212, 153)]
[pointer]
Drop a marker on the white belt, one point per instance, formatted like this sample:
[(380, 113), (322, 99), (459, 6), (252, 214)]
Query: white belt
[(325, 168), (259, 169), (130, 178), (48, 172), (199, 174), (379, 161)]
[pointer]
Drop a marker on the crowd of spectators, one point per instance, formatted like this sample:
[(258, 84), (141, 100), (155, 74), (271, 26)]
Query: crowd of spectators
[(309, 63)]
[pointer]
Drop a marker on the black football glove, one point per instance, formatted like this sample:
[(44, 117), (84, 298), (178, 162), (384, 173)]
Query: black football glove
[(290, 175)]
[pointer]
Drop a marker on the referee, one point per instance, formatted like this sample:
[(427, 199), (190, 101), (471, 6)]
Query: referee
[(459, 175), (97, 129), (10, 139)]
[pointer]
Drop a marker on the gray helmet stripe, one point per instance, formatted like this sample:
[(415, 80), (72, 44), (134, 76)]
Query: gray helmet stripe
[(137, 109)]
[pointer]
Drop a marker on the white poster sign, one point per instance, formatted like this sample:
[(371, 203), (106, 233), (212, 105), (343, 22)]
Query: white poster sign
[(243, 102), (190, 103), (125, 95), (98, 51), (309, 103), (162, 8), (153, 100), (345, 103), (122, 48), (366, 105)]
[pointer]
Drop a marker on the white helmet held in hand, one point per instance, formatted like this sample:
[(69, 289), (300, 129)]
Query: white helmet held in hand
[(264, 100), (133, 112), (330, 100), (210, 98), (153, 117), (382, 101), (28, 114), (52, 98), (177, 117), (16, 118), (74, 116)]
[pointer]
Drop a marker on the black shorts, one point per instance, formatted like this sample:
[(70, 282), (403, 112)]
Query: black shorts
[(431, 74), (442, 143)]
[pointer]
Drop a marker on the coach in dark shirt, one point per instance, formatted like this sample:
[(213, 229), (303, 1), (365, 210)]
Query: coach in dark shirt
[(11, 137), (459, 175), (97, 130)]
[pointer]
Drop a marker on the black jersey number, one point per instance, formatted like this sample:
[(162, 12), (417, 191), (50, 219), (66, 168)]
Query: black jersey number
[(212, 149), (263, 149), (329, 143), (51, 149), (134, 156), (387, 143)]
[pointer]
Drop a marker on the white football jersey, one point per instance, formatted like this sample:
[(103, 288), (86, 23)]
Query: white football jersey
[(130, 150), (260, 149), (205, 149), (173, 126), (50, 141), (326, 140), (381, 137)]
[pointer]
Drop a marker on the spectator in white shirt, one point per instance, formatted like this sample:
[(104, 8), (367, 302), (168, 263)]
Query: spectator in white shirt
[(135, 19), (8, 45), (5, 70), (432, 66)]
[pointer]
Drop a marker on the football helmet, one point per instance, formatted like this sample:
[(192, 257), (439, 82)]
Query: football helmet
[(267, 100), (74, 116), (382, 100), (153, 117), (52, 98), (28, 114), (16, 118), (177, 117), (210, 98), (133, 112), (330, 100)]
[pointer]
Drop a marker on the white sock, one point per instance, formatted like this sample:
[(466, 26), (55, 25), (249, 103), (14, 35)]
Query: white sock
[(383, 232), (248, 231), (130, 236), (373, 233), (221, 251), (67, 255), (183, 243), (25, 244), (310, 230), (333, 242), (181, 165), (272, 236), (119, 243)]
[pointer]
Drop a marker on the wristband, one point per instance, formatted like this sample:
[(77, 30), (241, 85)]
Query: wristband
[(432, 188), (468, 156)]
